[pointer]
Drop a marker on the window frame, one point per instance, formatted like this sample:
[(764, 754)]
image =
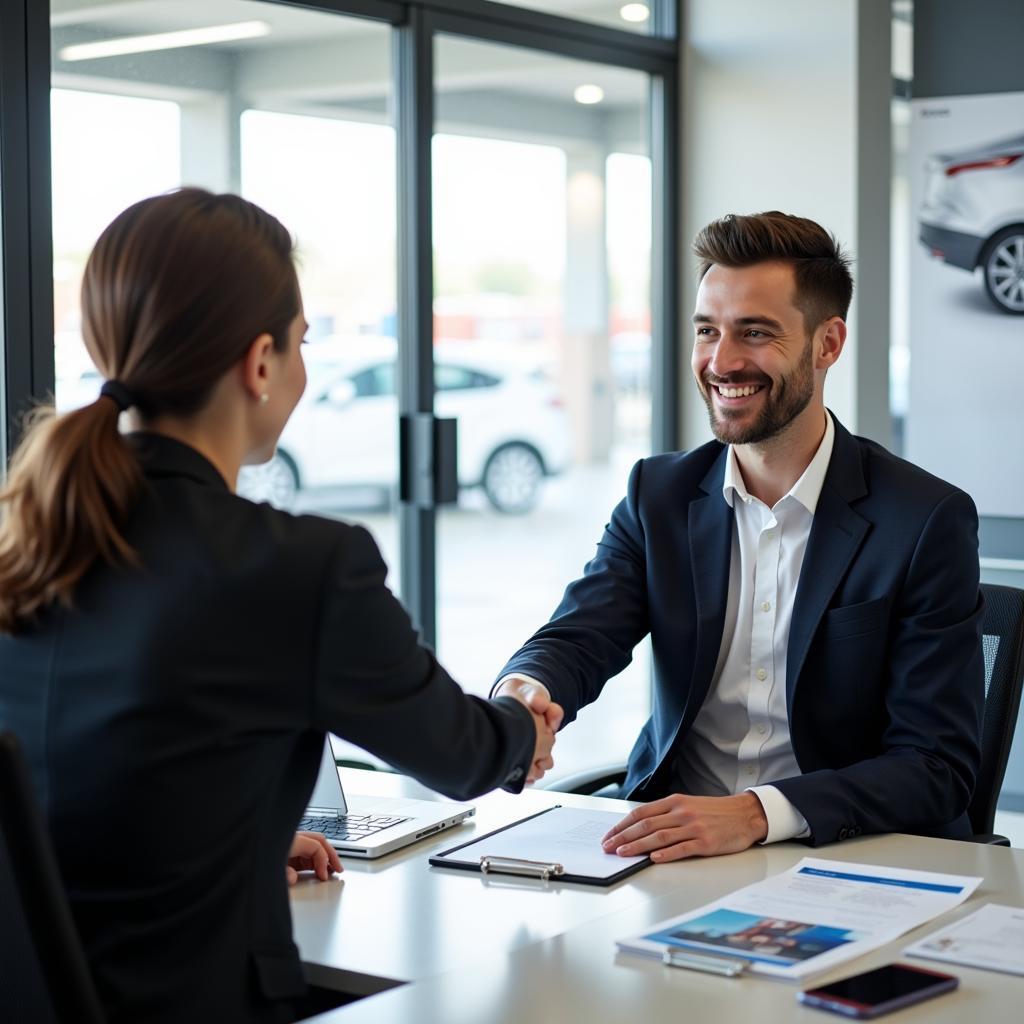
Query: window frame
[(26, 327)]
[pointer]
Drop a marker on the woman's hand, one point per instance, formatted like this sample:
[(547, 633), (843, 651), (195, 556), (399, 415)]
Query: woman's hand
[(311, 852)]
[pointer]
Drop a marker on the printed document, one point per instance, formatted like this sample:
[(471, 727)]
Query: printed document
[(991, 938), (564, 835), (817, 915)]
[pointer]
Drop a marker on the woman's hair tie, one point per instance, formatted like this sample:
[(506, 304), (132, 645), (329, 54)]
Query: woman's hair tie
[(119, 393)]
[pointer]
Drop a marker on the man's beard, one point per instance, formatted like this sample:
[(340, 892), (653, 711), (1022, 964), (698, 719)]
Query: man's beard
[(786, 399)]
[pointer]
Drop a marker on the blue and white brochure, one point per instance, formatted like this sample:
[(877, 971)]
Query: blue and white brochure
[(812, 918)]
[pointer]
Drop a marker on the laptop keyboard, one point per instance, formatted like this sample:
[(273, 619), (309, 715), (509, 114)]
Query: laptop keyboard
[(350, 827)]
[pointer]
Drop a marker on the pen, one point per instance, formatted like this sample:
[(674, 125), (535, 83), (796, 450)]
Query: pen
[(729, 968)]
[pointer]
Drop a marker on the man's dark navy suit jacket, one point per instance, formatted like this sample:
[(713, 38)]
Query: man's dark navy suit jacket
[(884, 674)]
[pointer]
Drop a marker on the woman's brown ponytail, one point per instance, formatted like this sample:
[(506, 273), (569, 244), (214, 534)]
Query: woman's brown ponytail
[(174, 292), (71, 485)]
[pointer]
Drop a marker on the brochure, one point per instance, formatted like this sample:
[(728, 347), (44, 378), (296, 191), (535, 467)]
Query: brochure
[(991, 938), (817, 915)]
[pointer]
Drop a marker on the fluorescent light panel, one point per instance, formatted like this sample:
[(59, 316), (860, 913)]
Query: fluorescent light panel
[(588, 94), (634, 12), (165, 40)]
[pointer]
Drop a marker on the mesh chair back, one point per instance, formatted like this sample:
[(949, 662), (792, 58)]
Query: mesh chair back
[(44, 977), (1003, 643)]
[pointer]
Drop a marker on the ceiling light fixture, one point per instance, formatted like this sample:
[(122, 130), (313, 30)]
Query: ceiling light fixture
[(634, 12), (164, 41), (588, 94)]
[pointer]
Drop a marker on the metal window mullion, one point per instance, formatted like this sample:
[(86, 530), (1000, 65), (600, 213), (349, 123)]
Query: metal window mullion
[(414, 122), (372, 10), (665, 263), (27, 261), (40, 200)]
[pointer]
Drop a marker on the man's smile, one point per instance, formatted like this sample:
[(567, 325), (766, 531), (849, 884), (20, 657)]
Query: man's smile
[(737, 390)]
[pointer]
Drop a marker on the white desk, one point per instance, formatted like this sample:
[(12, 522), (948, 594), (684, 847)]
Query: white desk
[(511, 951)]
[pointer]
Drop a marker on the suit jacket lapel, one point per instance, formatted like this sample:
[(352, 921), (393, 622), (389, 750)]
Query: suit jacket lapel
[(710, 532), (836, 535)]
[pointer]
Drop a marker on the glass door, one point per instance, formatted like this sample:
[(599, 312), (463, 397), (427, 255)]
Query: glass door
[(542, 346)]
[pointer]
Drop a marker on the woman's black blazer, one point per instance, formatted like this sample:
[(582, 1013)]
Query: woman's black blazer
[(174, 719)]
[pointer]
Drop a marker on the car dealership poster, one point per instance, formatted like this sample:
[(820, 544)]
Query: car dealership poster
[(966, 388)]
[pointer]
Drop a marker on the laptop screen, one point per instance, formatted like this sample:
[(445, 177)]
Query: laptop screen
[(327, 793)]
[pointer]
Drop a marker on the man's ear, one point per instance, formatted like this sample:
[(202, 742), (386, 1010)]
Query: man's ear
[(830, 343), (255, 366)]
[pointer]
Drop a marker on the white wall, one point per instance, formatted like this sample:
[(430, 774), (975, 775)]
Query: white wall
[(769, 122)]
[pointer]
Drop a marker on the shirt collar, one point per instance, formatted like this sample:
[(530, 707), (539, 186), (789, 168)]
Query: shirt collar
[(807, 490)]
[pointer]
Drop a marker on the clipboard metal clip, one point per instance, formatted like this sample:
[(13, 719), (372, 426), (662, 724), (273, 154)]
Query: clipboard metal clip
[(517, 866), (729, 967)]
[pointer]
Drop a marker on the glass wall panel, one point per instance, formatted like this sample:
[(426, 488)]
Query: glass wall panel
[(542, 252), (290, 108)]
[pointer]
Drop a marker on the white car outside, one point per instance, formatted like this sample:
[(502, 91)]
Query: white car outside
[(512, 428)]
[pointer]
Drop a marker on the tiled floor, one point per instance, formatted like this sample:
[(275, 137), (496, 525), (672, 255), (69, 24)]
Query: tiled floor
[(1011, 825)]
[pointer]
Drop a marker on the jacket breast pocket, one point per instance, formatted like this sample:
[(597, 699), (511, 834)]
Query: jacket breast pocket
[(856, 619)]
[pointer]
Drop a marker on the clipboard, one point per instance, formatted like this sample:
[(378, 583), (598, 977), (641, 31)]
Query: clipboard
[(547, 869)]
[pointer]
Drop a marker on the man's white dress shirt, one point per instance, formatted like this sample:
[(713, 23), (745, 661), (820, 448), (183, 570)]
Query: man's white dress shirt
[(740, 739)]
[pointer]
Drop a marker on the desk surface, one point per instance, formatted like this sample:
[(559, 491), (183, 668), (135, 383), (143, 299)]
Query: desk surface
[(516, 951)]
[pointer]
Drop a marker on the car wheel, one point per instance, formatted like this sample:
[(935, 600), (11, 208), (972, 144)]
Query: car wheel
[(275, 482), (512, 478), (1003, 264)]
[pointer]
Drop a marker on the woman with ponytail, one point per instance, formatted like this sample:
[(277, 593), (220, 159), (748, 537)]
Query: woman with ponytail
[(171, 655)]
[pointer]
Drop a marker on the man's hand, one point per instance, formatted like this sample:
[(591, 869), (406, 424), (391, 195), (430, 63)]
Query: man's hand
[(311, 852), (542, 759), (535, 696), (689, 826), (547, 716)]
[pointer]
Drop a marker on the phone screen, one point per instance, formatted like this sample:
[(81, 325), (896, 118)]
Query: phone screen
[(880, 990)]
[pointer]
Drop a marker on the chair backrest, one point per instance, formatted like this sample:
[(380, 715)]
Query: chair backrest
[(1003, 642), (44, 976)]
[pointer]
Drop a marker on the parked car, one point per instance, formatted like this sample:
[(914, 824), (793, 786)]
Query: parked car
[(512, 427), (973, 216)]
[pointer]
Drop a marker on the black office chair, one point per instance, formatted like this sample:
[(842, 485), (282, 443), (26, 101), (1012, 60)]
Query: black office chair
[(44, 976), (1003, 640), (1003, 643)]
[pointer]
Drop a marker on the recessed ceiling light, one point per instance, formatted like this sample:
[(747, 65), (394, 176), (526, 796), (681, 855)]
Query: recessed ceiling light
[(588, 94), (165, 40), (634, 12)]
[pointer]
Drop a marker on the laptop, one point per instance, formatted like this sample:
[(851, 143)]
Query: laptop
[(371, 826)]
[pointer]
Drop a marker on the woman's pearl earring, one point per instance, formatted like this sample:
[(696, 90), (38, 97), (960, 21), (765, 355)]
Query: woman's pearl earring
[(264, 398)]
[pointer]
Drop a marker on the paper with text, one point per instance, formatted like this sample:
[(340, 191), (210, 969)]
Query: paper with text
[(817, 915), (991, 938), (563, 835)]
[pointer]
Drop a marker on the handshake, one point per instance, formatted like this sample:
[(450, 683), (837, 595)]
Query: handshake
[(547, 717)]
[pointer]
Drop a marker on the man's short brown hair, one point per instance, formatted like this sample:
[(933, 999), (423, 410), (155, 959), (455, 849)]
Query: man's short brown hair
[(824, 285)]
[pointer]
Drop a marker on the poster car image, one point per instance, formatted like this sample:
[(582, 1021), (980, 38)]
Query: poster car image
[(973, 215), (966, 297)]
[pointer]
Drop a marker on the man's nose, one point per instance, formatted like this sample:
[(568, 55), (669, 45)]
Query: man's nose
[(728, 356)]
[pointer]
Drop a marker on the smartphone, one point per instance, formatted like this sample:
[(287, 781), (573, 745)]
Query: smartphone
[(879, 991)]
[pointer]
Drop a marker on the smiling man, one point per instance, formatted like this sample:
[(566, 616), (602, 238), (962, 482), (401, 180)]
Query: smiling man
[(812, 600)]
